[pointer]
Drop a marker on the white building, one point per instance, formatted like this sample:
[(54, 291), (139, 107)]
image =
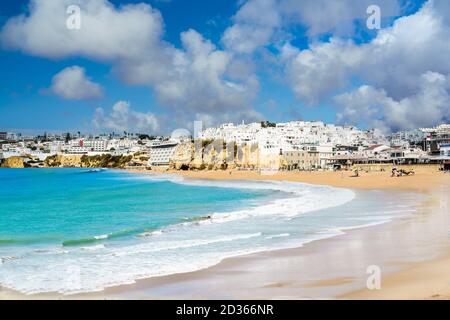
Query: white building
[(376, 151), (161, 153), (326, 152), (445, 151), (96, 145), (291, 136)]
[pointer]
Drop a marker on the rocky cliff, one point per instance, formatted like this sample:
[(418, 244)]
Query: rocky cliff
[(79, 161), (208, 155), (105, 161), (183, 157), (66, 161), (13, 162)]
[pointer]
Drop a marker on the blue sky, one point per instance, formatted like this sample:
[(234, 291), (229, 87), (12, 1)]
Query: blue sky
[(275, 92)]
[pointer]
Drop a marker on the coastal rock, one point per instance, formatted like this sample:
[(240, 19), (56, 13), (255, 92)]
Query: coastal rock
[(66, 161), (217, 155), (183, 156), (98, 161), (247, 156), (13, 162)]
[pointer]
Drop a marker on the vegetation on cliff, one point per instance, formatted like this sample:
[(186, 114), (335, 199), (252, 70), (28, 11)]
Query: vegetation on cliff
[(98, 161), (52, 161), (105, 161)]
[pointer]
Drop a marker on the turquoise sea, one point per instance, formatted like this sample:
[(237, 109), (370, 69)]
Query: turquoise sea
[(80, 230)]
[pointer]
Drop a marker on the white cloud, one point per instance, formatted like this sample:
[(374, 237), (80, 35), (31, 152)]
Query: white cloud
[(123, 118), (260, 23), (190, 80), (254, 26), (73, 84), (335, 17), (428, 107), (325, 67), (395, 63), (106, 32), (394, 60)]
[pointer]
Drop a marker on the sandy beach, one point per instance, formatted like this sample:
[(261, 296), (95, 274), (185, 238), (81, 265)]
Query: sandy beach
[(413, 252), (425, 179)]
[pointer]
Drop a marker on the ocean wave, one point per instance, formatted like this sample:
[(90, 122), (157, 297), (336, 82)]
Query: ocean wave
[(299, 198), (157, 177), (150, 234), (182, 244), (304, 201), (282, 235), (25, 241), (102, 237), (93, 248), (6, 259)]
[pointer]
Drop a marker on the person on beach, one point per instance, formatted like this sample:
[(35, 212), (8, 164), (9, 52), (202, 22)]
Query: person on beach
[(394, 172), (356, 173)]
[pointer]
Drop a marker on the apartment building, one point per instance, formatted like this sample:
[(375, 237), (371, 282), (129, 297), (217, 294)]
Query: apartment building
[(161, 153), (301, 160)]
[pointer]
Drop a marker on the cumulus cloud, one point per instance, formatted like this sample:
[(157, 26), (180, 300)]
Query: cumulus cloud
[(188, 80), (393, 65), (254, 26), (106, 32), (325, 67), (335, 17), (73, 84), (123, 118), (262, 22), (394, 60), (429, 106)]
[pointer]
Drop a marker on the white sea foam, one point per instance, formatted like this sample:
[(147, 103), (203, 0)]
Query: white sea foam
[(7, 259), (101, 237), (301, 198), (93, 248), (172, 245), (150, 234), (282, 235)]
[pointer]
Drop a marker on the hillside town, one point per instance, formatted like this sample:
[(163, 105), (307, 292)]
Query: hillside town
[(290, 146)]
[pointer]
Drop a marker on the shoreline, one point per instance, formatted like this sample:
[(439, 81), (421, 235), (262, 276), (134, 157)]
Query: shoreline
[(326, 286), (427, 181), (317, 270)]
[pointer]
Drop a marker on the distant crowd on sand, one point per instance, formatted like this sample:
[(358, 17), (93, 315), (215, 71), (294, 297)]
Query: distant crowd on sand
[(394, 172), (400, 173)]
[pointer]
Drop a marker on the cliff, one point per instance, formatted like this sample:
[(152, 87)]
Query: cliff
[(183, 157), (199, 155), (79, 161), (209, 155), (66, 161), (105, 161), (13, 162)]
